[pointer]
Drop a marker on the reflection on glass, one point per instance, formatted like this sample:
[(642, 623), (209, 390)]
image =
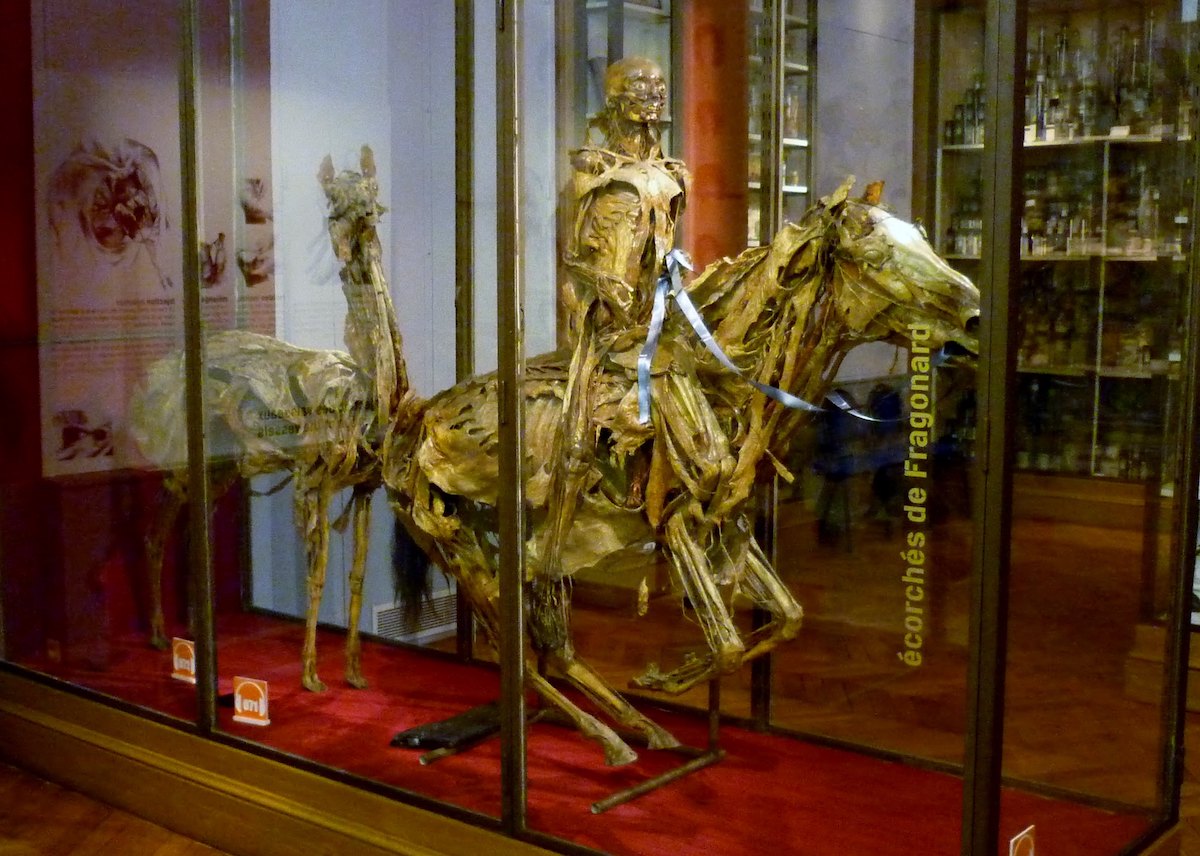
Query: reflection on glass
[(109, 265)]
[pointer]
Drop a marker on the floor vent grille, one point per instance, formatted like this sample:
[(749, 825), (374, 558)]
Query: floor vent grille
[(438, 619)]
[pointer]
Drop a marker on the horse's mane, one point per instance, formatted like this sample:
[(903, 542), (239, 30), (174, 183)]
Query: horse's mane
[(744, 298)]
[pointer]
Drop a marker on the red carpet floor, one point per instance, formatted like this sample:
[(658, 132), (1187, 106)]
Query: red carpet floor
[(769, 795)]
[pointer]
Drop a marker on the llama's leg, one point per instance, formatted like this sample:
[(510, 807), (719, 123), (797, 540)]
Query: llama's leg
[(694, 576), (361, 499), (312, 506), (165, 516)]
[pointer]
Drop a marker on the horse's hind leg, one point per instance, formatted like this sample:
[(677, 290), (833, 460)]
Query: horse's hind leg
[(616, 750), (550, 629), (585, 678), (477, 583), (361, 499)]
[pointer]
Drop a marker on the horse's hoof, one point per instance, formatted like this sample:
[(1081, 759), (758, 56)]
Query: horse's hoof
[(159, 642), (650, 679), (618, 754), (357, 681), (660, 738)]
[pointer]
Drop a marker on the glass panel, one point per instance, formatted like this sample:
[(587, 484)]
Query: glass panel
[(78, 597), (875, 530), (879, 661), (1103, 290), (339, 149)]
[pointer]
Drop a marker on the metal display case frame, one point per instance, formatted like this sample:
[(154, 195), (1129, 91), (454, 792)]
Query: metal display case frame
[(127, 755)]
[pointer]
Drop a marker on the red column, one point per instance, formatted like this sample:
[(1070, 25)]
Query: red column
[(713, 124), (20, 430)]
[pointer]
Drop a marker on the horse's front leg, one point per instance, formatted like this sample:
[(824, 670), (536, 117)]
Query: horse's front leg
[(761, 584), (756, 578), (694, 575)]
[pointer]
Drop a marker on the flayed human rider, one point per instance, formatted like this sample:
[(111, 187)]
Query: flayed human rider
[(629, 198)]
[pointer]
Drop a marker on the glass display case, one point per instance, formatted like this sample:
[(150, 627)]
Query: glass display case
[(412, 448)]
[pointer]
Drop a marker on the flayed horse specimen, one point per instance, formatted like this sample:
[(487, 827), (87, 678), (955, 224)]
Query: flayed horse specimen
[(786, 314), (315, 415)]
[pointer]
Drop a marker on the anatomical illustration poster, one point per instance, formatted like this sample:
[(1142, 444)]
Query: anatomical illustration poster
[(109, 209)]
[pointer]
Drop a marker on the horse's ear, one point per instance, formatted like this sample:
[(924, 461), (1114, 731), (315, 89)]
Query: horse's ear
[(367, 159), (874, 193), (840, 195)]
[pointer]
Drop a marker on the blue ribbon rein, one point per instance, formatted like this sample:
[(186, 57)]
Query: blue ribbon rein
[(670, 285)]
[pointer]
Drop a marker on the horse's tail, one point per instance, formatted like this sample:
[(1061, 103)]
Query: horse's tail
[(410, 573)]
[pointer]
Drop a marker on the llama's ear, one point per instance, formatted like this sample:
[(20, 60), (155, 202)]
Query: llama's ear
[(874, 193), (840, 195), (325, 173)]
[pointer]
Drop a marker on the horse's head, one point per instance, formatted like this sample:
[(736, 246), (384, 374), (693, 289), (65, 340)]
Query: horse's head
[(888, 282)]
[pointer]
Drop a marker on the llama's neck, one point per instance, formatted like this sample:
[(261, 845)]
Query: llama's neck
[(372, 334)]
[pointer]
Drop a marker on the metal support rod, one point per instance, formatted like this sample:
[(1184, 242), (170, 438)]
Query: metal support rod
[(1004, 46), (511, 417), (199, 557), (771, 153), (714, 713), (1187, 518), (464, 245), (615, 37), (765, 531), (643, 788), (712, 755)]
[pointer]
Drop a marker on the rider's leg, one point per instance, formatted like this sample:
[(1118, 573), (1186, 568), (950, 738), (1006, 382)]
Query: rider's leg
[(695, 442), (574, 449)]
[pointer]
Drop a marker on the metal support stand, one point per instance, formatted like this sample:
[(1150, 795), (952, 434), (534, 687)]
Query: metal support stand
[(482, 723), (701, 759)]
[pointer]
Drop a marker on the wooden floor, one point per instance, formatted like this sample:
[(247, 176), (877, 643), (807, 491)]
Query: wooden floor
[(1073, 610), (38, 818), (1189, 803)]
